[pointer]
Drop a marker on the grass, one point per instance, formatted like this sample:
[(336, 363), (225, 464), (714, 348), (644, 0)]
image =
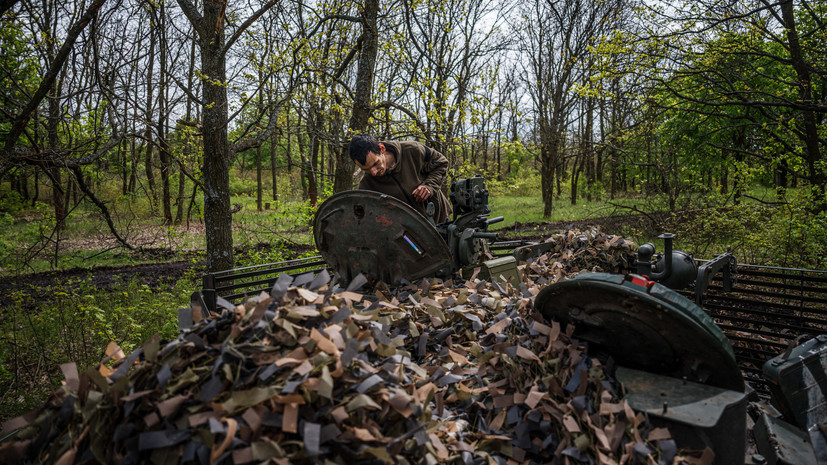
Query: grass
[(529, 209), (73, 321)]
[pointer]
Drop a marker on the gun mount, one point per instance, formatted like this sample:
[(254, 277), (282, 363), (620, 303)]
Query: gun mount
[(467, 234), (386, 240), (675, 361)]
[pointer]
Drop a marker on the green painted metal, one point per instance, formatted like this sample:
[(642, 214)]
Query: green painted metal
[(643, 325), (798, 382), (697, 415), (378, 236), (499, 268)]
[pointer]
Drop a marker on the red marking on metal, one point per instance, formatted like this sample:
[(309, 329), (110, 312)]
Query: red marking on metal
[(642, 281), (384, 220)]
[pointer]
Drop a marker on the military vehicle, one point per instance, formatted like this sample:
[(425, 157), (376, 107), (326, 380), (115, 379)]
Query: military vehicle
[(701, 346)]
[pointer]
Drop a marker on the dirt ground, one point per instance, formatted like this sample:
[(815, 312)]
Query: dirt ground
[(157, 275)]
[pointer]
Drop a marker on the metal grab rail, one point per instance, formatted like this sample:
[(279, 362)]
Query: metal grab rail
[(763, 310), (235, 284)]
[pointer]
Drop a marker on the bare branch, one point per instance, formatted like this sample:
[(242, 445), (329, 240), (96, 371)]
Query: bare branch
[(102, 206), (194, 16), (51, 75), (243, 27)]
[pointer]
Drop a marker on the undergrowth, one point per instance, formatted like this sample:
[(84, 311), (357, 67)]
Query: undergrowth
[(74, 321)]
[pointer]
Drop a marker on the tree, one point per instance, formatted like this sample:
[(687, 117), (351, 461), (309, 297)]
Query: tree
[(557, 38), (362, 109), (744, 67), (209, 28), (49, 159)]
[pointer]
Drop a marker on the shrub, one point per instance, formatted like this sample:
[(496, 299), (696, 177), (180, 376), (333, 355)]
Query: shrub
[(520, 185), (240, 185), (11, 202), (74, 321), (787, 234)]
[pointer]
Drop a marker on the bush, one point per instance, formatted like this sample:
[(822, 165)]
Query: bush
[(520, 185), (11, 202), (787, 234), (74, 321), (286, 223), (23, 236), (242, 186)]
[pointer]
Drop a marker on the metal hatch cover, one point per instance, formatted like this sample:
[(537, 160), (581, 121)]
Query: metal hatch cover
[(379, 236), (643, 325)]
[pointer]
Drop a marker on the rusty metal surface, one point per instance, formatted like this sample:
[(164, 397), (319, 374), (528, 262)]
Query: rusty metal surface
[(378, 236), (644, 326), (782, 443)]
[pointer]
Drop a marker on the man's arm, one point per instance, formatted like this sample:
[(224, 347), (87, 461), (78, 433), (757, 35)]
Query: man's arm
[(435, 170)]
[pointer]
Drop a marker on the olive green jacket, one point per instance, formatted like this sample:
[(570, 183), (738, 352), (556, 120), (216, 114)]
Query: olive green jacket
[(416, 165)]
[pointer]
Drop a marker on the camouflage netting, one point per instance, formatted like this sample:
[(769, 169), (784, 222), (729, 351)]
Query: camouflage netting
[(429, 373), (575, 251)]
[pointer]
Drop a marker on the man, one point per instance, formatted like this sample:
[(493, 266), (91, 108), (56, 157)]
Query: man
[(408, 171)]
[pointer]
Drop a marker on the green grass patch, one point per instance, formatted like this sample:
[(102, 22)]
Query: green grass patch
[(74, 321), (529, 209)]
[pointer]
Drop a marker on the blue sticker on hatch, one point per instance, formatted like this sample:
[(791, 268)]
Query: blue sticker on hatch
[(411, 243)]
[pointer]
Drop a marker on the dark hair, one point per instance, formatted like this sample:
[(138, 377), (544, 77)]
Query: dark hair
[(361, 145)]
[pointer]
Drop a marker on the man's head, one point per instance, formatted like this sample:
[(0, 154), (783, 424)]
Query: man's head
[(369, 155)]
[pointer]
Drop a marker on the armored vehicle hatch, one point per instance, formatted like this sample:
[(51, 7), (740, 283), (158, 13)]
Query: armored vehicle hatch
[(643, 325), (378, 236)]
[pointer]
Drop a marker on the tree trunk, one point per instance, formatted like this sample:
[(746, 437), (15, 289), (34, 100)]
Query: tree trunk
[(343, 177), (166, 165), (218, 219), (816, 173), (258, 178), (163, 116), (124, 163), (57, 190), (781, 179), (288, 151), (547, 183), (737, 185), (592, 170), (150, 175), (274, 167), (36, 187), (182, 185), (548, 155), (559, 172), (312, 179), (575, 176)]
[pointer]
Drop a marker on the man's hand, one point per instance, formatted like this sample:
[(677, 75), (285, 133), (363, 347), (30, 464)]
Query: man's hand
[(421, 193)]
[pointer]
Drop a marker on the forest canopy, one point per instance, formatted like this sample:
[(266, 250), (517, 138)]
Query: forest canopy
[(683, 104)]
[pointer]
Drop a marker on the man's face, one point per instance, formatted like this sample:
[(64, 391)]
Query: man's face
[(376, 164)]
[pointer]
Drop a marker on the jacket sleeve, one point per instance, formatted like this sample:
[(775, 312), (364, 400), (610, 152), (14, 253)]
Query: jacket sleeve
[(435, 169)]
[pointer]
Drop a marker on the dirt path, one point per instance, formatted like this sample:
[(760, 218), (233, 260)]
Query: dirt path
[(154, 275), (159, 275)]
